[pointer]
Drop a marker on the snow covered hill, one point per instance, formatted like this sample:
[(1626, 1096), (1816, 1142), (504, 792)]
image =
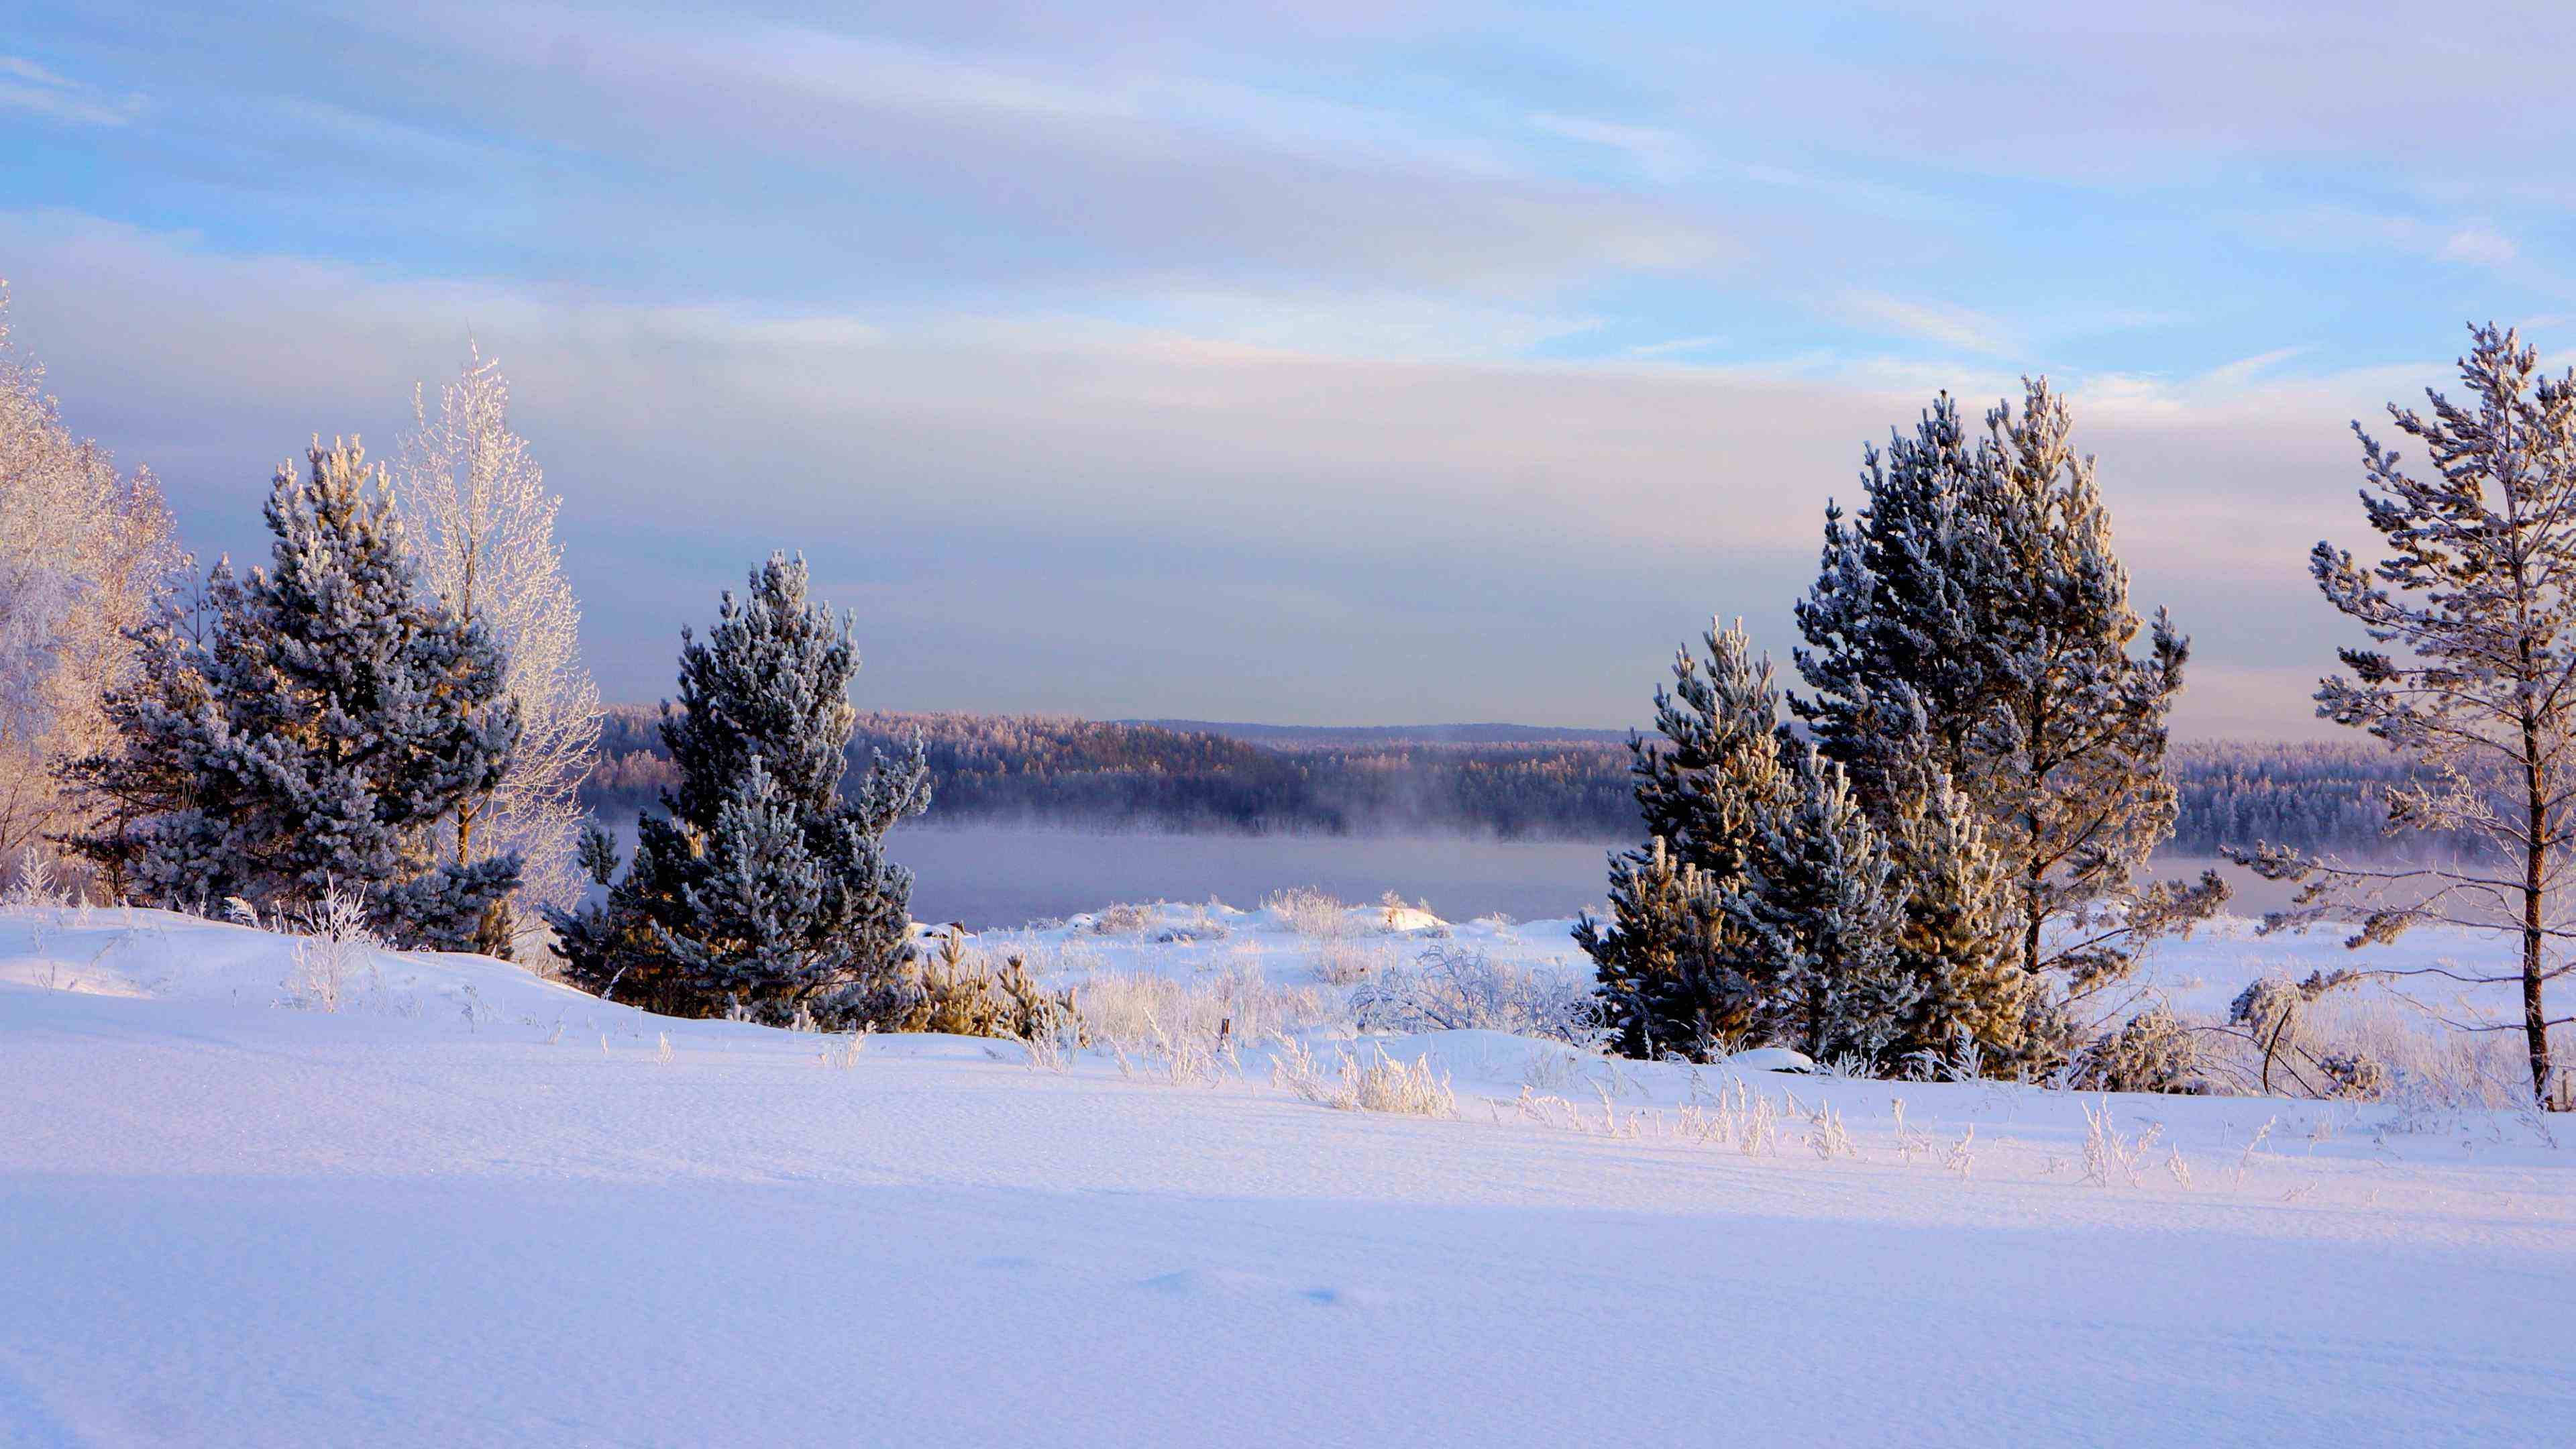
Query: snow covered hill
[(464, 1206)]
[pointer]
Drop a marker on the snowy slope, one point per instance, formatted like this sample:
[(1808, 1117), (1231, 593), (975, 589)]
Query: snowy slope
[(470, 1207)]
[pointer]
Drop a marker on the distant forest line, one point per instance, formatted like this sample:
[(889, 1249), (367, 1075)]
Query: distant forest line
[(1504, 781)]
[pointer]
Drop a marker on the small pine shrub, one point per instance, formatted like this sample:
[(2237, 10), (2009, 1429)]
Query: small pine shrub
[(957, 995), (2152, 1053), (2353, 1075)]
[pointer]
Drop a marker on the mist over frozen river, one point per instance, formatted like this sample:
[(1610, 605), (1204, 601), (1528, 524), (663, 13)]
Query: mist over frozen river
[(1008, 875)]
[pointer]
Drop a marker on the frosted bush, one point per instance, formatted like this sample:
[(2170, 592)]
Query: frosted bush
[(2353, 1075), (1341, 961), (332, 942), (1453, 988), (1123, 920), (2382, 1046), (1203, 924), (1311, 913), (2154, 1052), (35, 885), (1132, 1009)]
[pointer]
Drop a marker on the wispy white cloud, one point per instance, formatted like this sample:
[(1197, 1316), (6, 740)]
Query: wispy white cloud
[(1678, 346), (2479, 246), (1660, 154), (27, 86), (1931, 321), (2243, 369)]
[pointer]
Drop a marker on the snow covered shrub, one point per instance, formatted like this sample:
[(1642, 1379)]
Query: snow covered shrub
[(958, 995), (1132, 1009), (1311, 913), (332, 941), (2276, 1029), (1123, 920), (2352, 1075), (1378, 1084), (2154, 1052), (1202, 925), (1341, 961), (1451, 988), (35, 885)]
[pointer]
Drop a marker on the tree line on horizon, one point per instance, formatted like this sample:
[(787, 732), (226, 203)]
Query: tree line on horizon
[(1120, 775)]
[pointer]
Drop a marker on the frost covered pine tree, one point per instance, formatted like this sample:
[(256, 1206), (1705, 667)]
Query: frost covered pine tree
[(313, 734), (477, 505), (1975, 615), (1973, 999), (1817, 922), (1662, 985), (760, 888), (1708, 787), (2473, 612)]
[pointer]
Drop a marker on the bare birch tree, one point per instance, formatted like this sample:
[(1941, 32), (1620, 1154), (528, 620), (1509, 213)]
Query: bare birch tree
[(2474, 607), (477, 504), (85, 556)]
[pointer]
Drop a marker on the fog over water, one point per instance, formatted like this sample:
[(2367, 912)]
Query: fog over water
[(989, 876), (1003, 876)]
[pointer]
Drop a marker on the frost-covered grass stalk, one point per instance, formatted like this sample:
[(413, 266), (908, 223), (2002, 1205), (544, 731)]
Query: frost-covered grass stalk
[(2110, 1153), (1369, 1082), (1732, 1115), (1135, 1009)]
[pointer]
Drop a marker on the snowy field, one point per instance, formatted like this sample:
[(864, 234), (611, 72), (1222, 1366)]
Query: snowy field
[(433, 1200)]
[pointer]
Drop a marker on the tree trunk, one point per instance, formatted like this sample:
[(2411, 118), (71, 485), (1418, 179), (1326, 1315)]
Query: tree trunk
[(2535, 859)]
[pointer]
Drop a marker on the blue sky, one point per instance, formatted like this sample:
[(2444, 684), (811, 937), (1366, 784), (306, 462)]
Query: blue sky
[(1391, 362)]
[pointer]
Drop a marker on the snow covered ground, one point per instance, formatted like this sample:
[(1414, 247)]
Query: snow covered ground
[(466, 1206)]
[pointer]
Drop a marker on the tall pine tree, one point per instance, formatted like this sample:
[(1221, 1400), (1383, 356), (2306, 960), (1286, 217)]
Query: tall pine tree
[(1975, 619), (761, 887), (312, 733), (2471, 614)]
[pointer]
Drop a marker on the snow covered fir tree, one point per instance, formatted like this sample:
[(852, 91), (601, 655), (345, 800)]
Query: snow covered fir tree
[(305, 729), (1991, 782), (1975, 617), (760, 888)]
